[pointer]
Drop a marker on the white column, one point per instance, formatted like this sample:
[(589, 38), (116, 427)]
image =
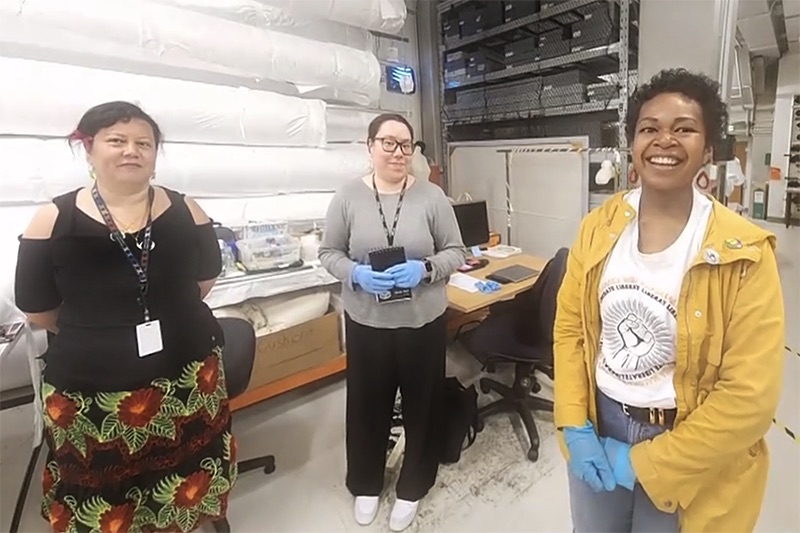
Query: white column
[(676, 34), (686, 33)]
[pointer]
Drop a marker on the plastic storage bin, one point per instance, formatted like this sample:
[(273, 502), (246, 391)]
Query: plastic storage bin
[(268, 253), (266, 228)]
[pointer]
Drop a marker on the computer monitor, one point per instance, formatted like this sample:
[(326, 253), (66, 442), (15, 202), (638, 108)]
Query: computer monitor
[(473, 221)]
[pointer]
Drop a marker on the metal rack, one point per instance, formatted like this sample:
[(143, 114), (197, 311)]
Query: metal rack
[(554, 11), (617, 52), (792, 192), (577, 109), (600, 52)]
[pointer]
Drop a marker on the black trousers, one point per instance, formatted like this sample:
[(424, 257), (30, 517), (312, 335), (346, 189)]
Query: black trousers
[(378, 362)]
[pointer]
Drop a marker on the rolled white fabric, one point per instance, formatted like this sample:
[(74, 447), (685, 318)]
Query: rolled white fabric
[(162, 34), (185, 111), (35, 170)]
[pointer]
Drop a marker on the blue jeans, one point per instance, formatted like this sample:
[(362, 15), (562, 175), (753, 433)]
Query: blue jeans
[(619, 511)]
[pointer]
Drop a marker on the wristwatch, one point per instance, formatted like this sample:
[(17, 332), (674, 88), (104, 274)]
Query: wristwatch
[(428, 269)]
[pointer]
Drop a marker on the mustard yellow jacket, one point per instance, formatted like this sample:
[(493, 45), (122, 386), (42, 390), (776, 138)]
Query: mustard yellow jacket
[(712, 466)]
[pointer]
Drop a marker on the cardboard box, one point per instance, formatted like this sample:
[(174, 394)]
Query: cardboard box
[(338, 306), (521, 52), (483, 62), (295, 349), (517, 9)]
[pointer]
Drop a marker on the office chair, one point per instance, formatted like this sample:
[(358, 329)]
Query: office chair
[(520, 332), (237, 359)]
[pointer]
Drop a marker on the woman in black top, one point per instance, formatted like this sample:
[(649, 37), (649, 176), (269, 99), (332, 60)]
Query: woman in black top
[(135, 406)]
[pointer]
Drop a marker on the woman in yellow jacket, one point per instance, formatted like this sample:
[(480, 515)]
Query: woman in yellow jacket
[(669, 337)]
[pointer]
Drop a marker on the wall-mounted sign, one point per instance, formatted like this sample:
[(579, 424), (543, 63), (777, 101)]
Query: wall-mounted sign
[(400, 79)]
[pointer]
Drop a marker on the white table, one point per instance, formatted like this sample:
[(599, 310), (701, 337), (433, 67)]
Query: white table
[(237, 289)]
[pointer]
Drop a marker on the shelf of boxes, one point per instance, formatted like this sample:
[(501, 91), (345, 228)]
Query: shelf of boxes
[(560, 111), (532, 61), (516, 15)]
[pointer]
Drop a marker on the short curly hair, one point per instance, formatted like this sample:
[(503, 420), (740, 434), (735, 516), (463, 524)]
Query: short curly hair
[(697, 87)]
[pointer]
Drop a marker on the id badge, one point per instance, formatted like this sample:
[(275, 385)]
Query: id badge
[(394, 295), (148, 338)]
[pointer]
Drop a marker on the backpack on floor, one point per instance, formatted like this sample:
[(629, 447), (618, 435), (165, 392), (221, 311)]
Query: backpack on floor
[(460, 419)]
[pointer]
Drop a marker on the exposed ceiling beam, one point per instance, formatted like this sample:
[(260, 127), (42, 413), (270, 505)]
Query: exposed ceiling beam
[(779, 25)]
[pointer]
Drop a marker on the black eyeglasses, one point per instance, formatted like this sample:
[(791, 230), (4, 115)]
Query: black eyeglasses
[(390, 145)]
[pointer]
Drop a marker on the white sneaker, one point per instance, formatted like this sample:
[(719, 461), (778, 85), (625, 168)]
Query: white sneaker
[(403, 513), (366, 509)]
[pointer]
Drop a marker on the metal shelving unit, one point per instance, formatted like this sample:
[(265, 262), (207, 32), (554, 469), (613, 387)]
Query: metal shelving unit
[(577, 109), (542, 67), (623, 53), (508, 27), (444, 5), (613, 58)]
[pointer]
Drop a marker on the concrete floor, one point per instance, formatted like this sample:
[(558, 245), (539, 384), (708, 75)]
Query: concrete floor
[(494, 487)]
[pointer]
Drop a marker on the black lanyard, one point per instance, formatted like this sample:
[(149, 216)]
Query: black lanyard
[(390, 233), (140, 267)]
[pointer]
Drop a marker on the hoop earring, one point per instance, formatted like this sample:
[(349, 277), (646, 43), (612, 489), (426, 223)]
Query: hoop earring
[(702, 182)]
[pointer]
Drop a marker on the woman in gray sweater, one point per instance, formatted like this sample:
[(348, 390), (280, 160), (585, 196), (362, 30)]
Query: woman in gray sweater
[(397, 341)]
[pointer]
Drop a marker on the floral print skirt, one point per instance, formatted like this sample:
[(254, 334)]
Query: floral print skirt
[(155, 459)]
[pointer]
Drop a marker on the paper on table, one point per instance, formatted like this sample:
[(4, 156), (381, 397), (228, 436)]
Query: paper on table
[(464, 282)]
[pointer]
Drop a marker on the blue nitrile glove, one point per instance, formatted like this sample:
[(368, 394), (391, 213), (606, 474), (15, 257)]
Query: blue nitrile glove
[(372, 281), (587, 458), (407, 275), (488, 286), (619, 455)]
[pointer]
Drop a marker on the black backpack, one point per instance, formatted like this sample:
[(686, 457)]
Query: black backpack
[(460, 420)]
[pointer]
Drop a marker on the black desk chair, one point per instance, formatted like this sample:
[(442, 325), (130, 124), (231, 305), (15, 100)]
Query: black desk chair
[(520, 332), (237, 359)]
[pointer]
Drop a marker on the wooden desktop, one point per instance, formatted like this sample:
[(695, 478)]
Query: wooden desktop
[(467, 302)]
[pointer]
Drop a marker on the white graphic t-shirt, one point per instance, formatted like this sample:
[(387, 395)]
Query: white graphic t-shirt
[(638, 305)]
